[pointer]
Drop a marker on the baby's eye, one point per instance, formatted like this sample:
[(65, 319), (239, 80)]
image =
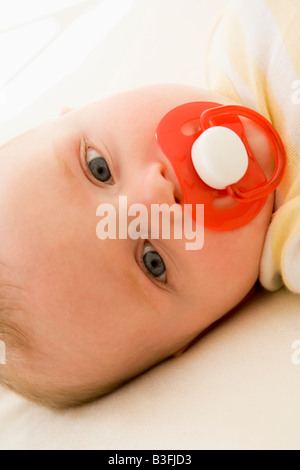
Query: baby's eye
[(154, 263), (98, 166)]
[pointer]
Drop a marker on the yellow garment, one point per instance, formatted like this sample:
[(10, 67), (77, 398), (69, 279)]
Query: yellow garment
[(253, 57)]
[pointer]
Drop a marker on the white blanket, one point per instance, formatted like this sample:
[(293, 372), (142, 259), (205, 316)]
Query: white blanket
[(238, 387)]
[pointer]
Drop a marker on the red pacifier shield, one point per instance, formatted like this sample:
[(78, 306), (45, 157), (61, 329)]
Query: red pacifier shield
[(239, 203)]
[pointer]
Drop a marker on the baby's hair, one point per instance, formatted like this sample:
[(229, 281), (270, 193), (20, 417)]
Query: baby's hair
[(11, 336), (14, 342), (19, 373)]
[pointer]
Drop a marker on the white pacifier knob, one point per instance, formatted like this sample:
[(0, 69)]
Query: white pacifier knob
[(219, 157)]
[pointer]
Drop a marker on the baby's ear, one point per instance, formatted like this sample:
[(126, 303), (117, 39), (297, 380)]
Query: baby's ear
[(65, 111)]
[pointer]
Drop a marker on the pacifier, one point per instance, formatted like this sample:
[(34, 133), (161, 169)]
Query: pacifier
[(214, 162)]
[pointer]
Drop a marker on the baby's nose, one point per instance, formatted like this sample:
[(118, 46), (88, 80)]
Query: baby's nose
[(155, 186)]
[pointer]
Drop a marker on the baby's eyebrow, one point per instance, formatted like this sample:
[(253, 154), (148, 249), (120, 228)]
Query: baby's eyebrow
[(66, 168), (60, 148)]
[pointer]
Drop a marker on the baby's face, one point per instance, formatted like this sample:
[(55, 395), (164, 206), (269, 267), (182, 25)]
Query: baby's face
[(99, 313)]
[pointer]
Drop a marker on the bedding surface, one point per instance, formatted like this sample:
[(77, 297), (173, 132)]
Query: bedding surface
[(238, 387)]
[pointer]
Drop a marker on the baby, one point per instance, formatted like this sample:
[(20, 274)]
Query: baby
[(80, 316)]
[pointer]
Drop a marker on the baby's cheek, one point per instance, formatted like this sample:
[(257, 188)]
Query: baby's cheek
[(229, 263), (218, 277), (245, 250)]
